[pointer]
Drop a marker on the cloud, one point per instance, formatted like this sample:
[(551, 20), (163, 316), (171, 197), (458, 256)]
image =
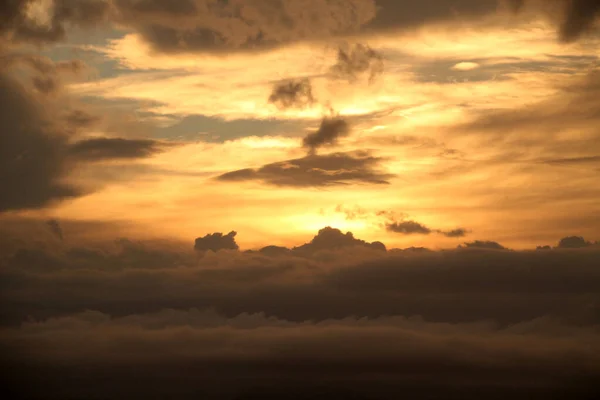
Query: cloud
[(331, 238), (252, 323), (355, 60), (99, 149), (481, 244), (330, 130), (292, 94), (200, 25), (578, 17), (316, 170), (415, 228), (408, 228), (573, 242), (18, 25), (32, 152), (216, 241)]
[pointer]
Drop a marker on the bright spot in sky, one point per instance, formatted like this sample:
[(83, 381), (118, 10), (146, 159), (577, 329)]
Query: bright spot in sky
[(465, 66)]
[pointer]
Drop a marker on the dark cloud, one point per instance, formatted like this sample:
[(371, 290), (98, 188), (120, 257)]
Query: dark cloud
[(415, 228), (114, 148), (483, 244), (216, 241), (331, 239), (292, 94), (455, 233), (48, 74), (316, 170), (573, 242), (55, 228), (32, 153), (77, 119), (330, 130), (201, 25), (408, 228), (520, 324), (355, 60)]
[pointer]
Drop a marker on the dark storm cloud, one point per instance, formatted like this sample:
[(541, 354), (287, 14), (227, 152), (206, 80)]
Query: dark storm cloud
[(216, 241), (292, 94), (316, 170), (330, 130), (354, 60), (114, 148)]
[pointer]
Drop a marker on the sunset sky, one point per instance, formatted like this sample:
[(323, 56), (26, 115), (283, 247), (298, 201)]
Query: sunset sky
[(145, 124), (459, 114)]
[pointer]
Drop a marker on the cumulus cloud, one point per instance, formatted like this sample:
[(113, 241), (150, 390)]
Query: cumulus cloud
[(483, 244), (573, 242), (292, 94), (316, 170), (355, 60), (216, 241), (331, 238)]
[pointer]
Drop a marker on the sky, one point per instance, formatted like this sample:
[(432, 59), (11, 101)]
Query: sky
[(163, 162)]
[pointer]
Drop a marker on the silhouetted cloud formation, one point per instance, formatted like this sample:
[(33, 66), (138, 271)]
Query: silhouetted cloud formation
[(114, 148), (573, 242), (292, 94), (316, 170), (416, 228), (330, 130), (330, 238), (484, 244), (357, 59), (408, 228), (216, 241)]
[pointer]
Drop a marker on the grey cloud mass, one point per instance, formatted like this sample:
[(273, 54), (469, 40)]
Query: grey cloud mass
[(233, 325), (357, 59), (416, 228), (216, 241), (316, 170), (330, 130), (98, 149), (292, 94)]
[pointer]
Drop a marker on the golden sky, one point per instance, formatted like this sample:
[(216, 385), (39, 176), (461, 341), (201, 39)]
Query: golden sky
[(465, 116)]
